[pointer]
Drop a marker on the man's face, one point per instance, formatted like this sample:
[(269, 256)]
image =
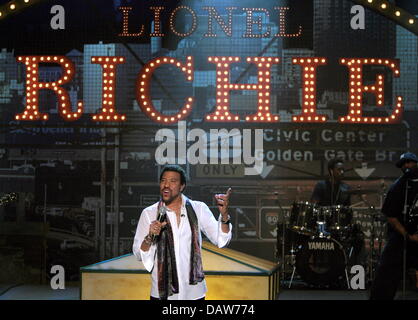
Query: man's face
[(338, 171), (408, 165), (170, 186)]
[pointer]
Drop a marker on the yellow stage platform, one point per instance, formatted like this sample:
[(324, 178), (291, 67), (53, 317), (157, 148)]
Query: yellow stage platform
[(230, 275)]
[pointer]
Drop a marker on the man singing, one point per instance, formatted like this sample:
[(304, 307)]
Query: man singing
[(170, 247)]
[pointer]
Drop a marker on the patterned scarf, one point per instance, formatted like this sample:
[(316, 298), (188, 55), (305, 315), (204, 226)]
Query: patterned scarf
[(166, 258)]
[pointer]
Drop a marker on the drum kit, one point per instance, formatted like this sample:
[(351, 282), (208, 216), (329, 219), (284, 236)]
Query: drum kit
[(321, 243)]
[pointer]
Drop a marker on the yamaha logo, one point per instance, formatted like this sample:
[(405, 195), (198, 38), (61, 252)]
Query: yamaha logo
[(321, 245)]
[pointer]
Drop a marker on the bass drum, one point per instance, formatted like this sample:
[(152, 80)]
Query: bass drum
[(320, 261)]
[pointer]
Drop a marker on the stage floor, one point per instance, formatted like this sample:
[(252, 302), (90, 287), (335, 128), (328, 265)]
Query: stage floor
[(38, 292)]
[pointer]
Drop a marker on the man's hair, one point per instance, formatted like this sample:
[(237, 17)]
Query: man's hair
[(333, 162), (175, 168)]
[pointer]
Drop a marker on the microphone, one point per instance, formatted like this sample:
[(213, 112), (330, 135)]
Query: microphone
[(182, 215), (160, 218)]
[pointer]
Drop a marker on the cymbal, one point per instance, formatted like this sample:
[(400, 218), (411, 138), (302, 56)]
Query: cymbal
[(361, 191)]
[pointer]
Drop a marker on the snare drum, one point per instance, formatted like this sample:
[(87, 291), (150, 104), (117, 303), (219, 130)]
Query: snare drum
[(320, 261), (303, 218)]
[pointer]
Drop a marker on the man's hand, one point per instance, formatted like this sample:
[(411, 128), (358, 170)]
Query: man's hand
[(154, 230), (155, 227), (222, 201)]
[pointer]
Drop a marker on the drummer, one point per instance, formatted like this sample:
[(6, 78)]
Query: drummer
[(332, 191)]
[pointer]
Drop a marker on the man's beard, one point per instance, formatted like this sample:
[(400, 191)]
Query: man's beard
[(170, 199)]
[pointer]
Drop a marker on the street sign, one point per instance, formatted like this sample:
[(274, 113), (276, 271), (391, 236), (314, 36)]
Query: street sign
[(219, 171)]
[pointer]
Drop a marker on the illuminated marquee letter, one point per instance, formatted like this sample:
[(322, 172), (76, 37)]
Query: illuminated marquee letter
[(143, 89), (157, 22), (282, 24), (309, 66), (108, 93), (194, 23), (250, 22), (125, 27), (33, 86), (356, 90), (223, 86), (227, 28)]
